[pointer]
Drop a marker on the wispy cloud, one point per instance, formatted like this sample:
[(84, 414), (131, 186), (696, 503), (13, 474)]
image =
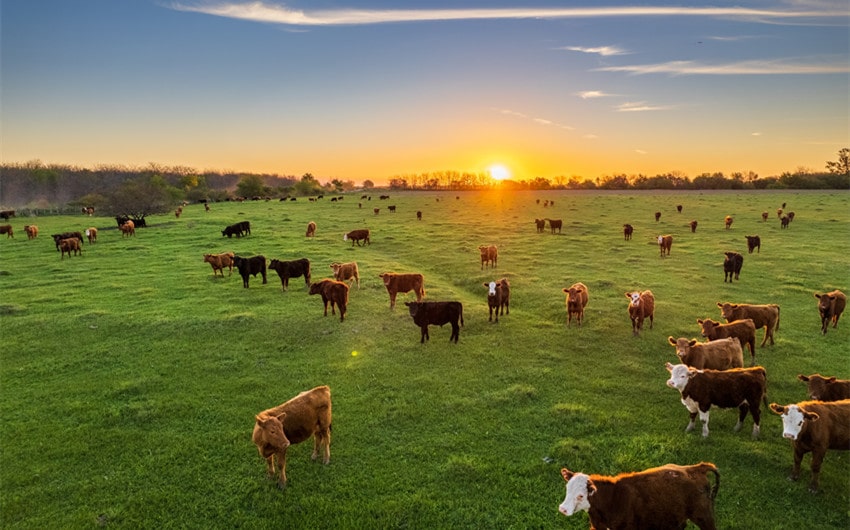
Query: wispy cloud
[(538, 121), (640, 151), (639, 106), (267, 12), (755, 134), (778, 67), (601, 50), (592, 94)]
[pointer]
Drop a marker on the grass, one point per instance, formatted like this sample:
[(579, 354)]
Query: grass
[(130, 376)]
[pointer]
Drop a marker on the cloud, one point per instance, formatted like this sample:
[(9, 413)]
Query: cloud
[(639, 106), (539, 121), (601, 50), (755, 134), (591, 94), (640, 151), (778, 67), (259, 11)]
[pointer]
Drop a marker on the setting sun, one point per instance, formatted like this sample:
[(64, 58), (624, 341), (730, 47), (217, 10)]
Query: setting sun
[(499, 172)]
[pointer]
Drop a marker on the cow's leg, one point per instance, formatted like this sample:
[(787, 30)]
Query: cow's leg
[(755, 410), (456, 331), (651, 320), (392, 300), (341, 312), (703, 416), (424, 333), (798, 459), (281, 483), (817, 460), (325, 301), (743, 408)]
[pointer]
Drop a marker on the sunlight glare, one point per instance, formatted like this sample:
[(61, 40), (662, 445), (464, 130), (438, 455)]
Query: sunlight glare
[(499, 172)]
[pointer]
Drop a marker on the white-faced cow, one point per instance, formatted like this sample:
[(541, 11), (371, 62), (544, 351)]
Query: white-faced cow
[(665, 243), (498, 297), (641, 306)]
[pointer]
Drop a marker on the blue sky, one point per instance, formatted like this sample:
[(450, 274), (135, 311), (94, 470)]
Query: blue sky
[(366, 90)]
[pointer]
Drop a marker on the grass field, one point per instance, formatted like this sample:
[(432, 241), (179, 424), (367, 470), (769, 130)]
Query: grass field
[(131, 376)]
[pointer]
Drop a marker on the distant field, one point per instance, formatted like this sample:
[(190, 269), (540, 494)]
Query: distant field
[(130, 376)]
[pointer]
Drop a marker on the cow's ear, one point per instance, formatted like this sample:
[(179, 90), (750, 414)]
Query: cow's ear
[(700, 321), (629, 296), (567, 474), (779, 409), (692, 342), (281, 416), (811, 416), (668, 366), (591, 488), (692, 371), (565, 290), (802, 377), (671, 340), (719, 304), (831, 379), (817, 296)]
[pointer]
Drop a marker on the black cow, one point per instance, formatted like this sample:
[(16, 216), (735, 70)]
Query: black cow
[(436, 313), (250, 266), (291, 269), (65, 235), (732, 265), (238, 229), (753, 243), (138, 223)]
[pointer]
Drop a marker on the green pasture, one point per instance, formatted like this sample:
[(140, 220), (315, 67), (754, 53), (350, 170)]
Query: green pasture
[(130, 376)]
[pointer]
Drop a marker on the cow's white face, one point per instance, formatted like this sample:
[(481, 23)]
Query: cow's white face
[(577, 498), (635, 299), (660, 239), (679, 376), (792, 422), (345, 237), (492, 287)]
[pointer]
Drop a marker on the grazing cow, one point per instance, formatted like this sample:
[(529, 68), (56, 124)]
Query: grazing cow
[(720, 354), (291, 269), (815, 427), (694, 226), (356, 236), (783, 221), (489, 255), (744, 388), (763, 316), (822, 388), (753, 243), (65, 235), (88, 210), (334, 293), (238, 229), (6, 214), (728, 221), (732, 264), (641, 306), (311, 229), (679, 208), (555, 224), (31, 230), (402, 283), (307, 414), (71, 244), (628, 230), (137, 223), (657, 216), (418, 215), (219, 261), (391, 208), (577, 297), (376, 210), (498, 297), (830, 306), (664, 244), (436, 313), (665, 497), (764, 216), (540, 224), (7, 229), (91, 234), (250, 267), (128, 229), (744, 330), (178, 211), (344, 272)]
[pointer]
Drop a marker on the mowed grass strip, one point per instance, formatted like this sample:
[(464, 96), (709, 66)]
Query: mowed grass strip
[(131, 375)]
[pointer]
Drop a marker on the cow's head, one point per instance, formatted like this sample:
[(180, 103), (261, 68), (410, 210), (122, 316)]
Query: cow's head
[(316, 288), (707, 326), (579, 490), (491, 288), (680, 374), (335, 267), (682, 344), (634, 298), (726, 310), (272, 427), (816, 384), (413, 307), (825, 304), (793, 419)]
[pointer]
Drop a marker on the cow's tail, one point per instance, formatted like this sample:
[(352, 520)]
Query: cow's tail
[(461, 315), (713, 493), (777, 319)]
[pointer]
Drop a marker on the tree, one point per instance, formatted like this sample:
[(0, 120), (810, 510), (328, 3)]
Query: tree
[(141, 197), (250, 186), (368, 184), (842, 165)]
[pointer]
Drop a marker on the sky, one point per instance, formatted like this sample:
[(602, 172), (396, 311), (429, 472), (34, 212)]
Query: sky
[(371, 90)]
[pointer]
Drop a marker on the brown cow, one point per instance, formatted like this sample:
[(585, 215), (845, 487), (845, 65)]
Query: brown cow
[(830, 306), (694, 224), (657, 216), (498, 297), (344, 272), (356, 236), (822, 388), (720, 354), (91, 234), (753, 243), (71, 244), (311, 229), (219, 261), (628, 230), (178, 211), (31, 230), (744, 330), (744, 388), (679, 208), (402, 283), (815, 426), (763, 316), (418, 215), (661, 497), (540, 224), (577, 297), (307, 414), (641, 306), (728, 221), (7, 229), (664, 244), (128, 229), (376, 210), (764, 216), (489, 255), (333, 293), (784, 221)]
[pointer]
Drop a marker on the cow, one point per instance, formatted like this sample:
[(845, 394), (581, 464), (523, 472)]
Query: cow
[(662, 497), (91, 234), (65, 235), (334, 293), (178, 211), (744, 330), (291, 269), (577, 297), (31, 231), (391, 208), (219, 261), (728, 222), (71, 244), (436, 313), (657, 216), (555, 224), (128, 229), (790, 216), (664, 244), (311, 229), (137, 223), (779, 212), (641, 306), (376, 210), (753, 243), (6, 214), (764, 216), (275, 429), (784, 221), (679, 208), (250, 267), (206, 207), (694, 224), (815, 427), (732, 264), (402, 283), (237, 229), (822, 388), (8, 230), (489, 255), (418, 215), (356, 236), (88, 210), (498, 297), (720, 354), (628, 230), (540, 224), (763, 316), (344, 272), (744, 388), (830, 307)]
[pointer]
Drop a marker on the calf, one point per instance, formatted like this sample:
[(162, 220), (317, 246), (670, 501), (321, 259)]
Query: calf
[(311, 229), (250, 267), (6, 214), (664, 244), (815, 426), (662, 497), (641, 306), (402, 283), (391, 208), (753, 243), (720, 354), (8, 230), (783, 221), (540, 224), (489, 255), (307, 414), (498, 297), (830, 306), (732, 264), (744, 388), (728, 222), (627, 231), (436, 313), (31, 230), (657, 216), (356, 236), (763, 316), (823, 388), (334, 293), (219, 261), (555, 224), (65, 235), (694, 226), (744, 330), (71, 244), (764, 216), (577, 297), (418, 215), (344, 272), (91, 234), (237, 229), (128, 229), (291, 269), (679, 208)]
